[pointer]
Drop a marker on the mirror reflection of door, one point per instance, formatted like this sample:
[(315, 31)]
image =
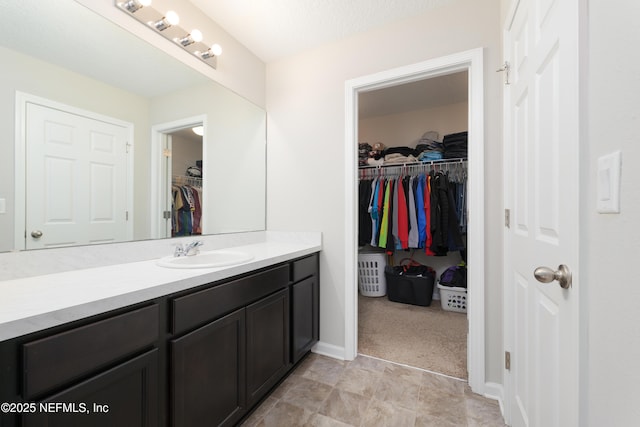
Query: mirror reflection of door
[(77, 186), (186, 181)]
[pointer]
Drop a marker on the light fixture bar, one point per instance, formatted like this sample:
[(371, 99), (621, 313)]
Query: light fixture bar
[(166, 24), (132, 6)]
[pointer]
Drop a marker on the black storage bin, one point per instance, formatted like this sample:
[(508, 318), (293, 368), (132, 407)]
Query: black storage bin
[(410, 285)]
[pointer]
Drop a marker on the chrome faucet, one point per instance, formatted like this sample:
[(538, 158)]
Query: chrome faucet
[(189, 249)]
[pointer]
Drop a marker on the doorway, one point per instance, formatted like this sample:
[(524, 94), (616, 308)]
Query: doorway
[(185, 168), (410, 121), (472, 62), (178, 151)]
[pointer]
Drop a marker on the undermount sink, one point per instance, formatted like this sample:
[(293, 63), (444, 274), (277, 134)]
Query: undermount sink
[(211, 259)]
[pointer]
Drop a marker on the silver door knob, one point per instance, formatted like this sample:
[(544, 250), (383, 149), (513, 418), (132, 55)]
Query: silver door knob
[(547, 275), (36, 234)]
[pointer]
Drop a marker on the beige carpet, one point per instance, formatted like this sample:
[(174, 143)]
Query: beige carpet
[(424, 337)]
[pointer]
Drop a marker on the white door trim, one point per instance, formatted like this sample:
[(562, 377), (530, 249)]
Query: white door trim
[(161, 178), (471, 60), (22, 99)]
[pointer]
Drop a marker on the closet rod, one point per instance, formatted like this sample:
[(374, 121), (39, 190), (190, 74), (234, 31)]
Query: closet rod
[(429, 163), (458, 167)]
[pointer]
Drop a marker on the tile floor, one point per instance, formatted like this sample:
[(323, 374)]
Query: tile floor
[(370, 392)]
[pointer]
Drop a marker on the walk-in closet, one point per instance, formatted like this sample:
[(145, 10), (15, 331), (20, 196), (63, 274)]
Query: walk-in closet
[(412, 215), (186, 181)]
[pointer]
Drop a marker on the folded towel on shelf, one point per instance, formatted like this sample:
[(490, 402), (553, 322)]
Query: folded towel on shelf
[(397, 158), (455, 145)]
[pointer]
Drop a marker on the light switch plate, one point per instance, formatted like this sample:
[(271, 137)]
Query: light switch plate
[(608, 183)]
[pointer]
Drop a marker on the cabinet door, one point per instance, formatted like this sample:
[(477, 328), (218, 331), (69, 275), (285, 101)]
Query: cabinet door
[(208, 374), (267, 343), (126, 395), (304, 317)]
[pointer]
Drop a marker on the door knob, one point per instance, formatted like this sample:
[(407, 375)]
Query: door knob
[(36, 234), (547, 275)]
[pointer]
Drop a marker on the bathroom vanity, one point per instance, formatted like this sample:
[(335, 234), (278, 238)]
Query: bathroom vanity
[(204, 349)]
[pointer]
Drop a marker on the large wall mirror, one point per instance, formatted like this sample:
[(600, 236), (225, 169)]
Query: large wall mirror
[(95, 125)]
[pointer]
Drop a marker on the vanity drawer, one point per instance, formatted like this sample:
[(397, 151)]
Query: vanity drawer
[(304, 268), (203, 306), (59, 359)]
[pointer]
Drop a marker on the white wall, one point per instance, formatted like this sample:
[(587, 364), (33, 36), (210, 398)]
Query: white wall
[(610, 242), (26, 74), (306, 137), (184, 154), (238, 69), (406, 129), (234, 164)]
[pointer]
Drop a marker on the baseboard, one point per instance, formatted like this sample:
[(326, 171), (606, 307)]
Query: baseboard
[(329, 350), (495, 391)]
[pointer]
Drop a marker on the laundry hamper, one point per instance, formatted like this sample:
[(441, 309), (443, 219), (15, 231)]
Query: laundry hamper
[(453, 298), (371, 280)]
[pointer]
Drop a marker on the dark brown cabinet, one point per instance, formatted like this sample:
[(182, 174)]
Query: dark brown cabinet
[(267, 344), (304, 317), (208, 373), (200, 357), (125, 395), (305, 306)]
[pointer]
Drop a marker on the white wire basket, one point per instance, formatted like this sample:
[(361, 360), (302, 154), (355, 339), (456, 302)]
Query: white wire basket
[(371, 280)]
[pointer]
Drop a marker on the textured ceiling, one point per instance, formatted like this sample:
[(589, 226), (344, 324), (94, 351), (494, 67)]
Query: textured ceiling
[(274, 29)]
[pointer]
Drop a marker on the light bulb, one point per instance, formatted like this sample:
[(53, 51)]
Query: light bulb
[(145, 3), (198, 130), (196, 35), (172, 18), (216, 49)]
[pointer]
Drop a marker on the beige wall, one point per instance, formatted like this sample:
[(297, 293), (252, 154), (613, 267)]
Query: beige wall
[(306, 141), (405, 129)]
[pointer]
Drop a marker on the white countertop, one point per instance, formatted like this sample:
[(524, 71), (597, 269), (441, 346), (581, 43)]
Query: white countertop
[(36, 303)]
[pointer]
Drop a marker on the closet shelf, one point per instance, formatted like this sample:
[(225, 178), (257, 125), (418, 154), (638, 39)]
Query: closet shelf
[(429, 163), (455, 166), (187, 180)]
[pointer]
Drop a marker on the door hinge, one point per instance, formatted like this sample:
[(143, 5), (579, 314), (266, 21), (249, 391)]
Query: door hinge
[(128, 147), (507, 218), (507, 360), (166, 214), (126, 215)]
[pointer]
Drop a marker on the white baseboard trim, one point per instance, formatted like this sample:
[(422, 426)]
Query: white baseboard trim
[(495, 391), (329, 350)]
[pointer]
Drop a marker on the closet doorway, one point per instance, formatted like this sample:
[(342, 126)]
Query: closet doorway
[(177, 192), (409, 122), (472, 63)]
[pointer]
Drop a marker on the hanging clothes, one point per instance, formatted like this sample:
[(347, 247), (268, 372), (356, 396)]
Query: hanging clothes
[(415, 210), (186, 210)]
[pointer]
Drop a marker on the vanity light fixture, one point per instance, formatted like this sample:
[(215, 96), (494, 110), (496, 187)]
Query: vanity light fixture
[(194, 37), (166, 24), (169, 20), (212, 52), (132, 6)]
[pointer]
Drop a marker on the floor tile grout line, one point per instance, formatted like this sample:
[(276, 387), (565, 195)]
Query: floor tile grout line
[(413, 367)]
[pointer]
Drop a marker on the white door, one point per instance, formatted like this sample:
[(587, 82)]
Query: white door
[(76, 185), (541, 171)]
